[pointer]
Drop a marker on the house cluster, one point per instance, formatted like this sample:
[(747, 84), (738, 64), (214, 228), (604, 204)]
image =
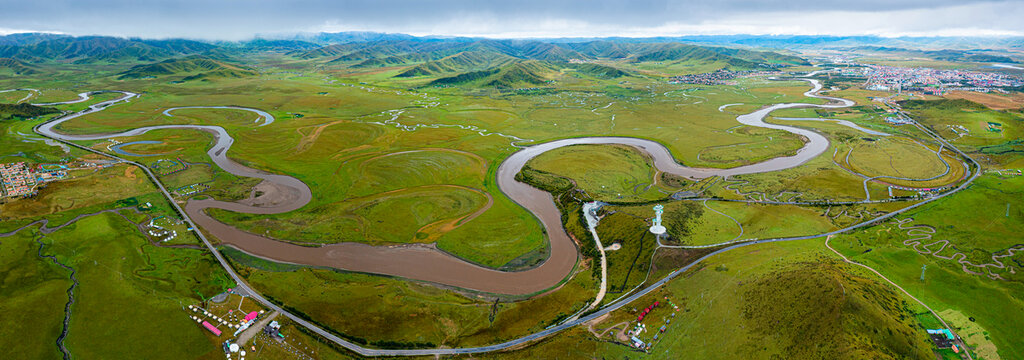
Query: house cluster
[(720, 77), (936, 81), (22, 180), (18, 179)]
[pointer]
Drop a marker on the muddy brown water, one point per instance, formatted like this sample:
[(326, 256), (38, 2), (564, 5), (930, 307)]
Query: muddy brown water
[(425, 262)]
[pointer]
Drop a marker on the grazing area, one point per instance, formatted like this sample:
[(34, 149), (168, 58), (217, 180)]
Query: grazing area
[(351, 195), (605, 172), (761, 302)]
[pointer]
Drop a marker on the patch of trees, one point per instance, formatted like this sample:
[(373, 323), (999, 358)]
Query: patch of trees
[(23, 111)]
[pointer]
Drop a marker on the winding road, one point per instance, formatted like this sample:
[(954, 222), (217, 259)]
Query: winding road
[(429, 264)]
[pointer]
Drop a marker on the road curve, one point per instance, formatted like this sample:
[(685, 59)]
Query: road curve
[(750, 119)]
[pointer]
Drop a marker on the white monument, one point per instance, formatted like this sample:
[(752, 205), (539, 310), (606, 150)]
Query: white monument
[(657, 229)]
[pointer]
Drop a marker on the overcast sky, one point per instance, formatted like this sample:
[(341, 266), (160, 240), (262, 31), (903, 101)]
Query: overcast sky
[(242, 19)]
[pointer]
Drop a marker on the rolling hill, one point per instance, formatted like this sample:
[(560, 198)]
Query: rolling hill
[(17, 67), (599, 71), (440, 57), (394, 60), (192, 68), (736, 58), (518, 74), (463, 61)]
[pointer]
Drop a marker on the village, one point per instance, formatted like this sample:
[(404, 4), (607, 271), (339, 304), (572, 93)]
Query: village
[(936, 81), (22, 180), (719, 77)]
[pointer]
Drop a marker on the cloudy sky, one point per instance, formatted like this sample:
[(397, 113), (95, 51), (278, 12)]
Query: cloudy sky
[(242, 19)]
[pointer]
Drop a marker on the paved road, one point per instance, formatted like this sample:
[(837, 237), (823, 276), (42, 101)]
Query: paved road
[(511, 343), (897, 286), (243, 338)]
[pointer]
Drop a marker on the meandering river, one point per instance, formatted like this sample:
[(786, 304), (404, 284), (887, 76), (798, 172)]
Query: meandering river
[(424, 262)]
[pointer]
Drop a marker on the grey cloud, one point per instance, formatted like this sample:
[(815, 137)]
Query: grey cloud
[(236, 19)]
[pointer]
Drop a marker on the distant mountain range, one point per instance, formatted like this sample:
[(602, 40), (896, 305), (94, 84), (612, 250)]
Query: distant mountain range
[(793, 42), (977, 55), (94, 49), (462, 60)]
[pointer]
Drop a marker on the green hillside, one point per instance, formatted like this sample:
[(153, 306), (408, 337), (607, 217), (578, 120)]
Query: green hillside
[(520, 74), (16, 67), (394, 60), (766, 57), (464, 61), (822, 310), (680, 52), (600, 71), (192, 68), (535, 50), (605, 49)]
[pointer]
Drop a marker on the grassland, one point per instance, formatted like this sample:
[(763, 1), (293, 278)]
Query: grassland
[(35, 289), (123, 277), (12, 97), (394, 160), (20, 144), (690, 223), (941, 115), (630, 265), (992, 101), (994, 135), (927, 171), (120, 274), (605, 172), (983, 228), (303, 142), (759, 302)]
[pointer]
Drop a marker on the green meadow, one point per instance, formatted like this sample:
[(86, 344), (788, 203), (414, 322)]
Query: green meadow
[(405, 149)]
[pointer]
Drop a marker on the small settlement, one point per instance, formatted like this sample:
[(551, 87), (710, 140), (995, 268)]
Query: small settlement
[(944, 339), (22, 180), (640, 332), (242, 326)]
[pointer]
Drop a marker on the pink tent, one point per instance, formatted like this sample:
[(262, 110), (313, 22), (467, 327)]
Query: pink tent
[(251, 316), (212, 328)]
